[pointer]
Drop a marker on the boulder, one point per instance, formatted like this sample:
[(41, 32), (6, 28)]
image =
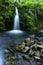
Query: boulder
[(7, 51), (40, 46), (40, 39), (37, 58), (20, 47), (31, 42), (39, 43), (40, 33), (41, 53), (37, 53), (26, 49), (32, 36), (28, 42), (31, 53), (36, 46), (26, 57)]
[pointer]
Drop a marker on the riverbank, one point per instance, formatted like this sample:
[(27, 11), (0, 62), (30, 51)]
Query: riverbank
[(29, 53)]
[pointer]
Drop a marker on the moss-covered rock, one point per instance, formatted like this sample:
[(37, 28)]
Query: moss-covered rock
[(20, 47)]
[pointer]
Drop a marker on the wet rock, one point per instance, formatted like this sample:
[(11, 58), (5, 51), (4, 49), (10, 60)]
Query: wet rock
[(32, 36), (31, 42), (39, 43), (41, 60), (40, 39), (26, 57), (11, 56), (31, 53), (37, 38), (37, 53), (20, 47), (40, 46), (40, 33), (41, 53), (10, 63), (26, 49), (10, 59), (7, 51), (36, 47), (39, 63), (10, 49), (27, 41), (37, 58)]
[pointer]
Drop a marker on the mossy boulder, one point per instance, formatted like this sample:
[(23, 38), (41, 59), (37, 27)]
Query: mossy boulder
[(28, 42), (20, 47)]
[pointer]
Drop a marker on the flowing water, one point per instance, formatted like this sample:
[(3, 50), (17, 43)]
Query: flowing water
[(8, 39), (15, 36), (16, 20), (16, 25)]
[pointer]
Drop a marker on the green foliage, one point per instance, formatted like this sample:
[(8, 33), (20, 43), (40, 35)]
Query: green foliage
[(6, 12), (31, 12)]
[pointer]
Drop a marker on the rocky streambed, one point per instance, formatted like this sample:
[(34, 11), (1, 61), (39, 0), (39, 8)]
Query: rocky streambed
[(29, 52)]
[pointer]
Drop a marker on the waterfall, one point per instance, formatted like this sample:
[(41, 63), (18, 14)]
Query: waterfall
[(16, 20), (16, 26)]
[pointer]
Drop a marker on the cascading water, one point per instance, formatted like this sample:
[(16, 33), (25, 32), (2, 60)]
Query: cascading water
[(16, 20), (16, 26), (16, 34)]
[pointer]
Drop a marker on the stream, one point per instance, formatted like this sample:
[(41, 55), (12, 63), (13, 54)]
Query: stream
[(5, 40)]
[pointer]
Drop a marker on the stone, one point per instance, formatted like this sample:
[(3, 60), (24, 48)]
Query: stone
[(40, 39), (40, 46), (42, 60), (27, 41), (20, 47), (25, 49), (26, 57), (39, 43), (41, 53), (31, 42), (37, 53), (7, 51), (37, 58), (40, 33), (36, 46), (31, 53), (8, 63), (32, 36)]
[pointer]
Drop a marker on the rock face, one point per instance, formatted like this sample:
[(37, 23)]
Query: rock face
[(29, 49)]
